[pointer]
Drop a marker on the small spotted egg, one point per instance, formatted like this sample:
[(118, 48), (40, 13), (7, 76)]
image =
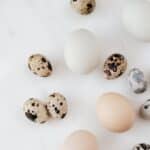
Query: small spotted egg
[(114, 66), (57, 106), (137, 81), (39, 65), (141, 146), (83, 7), (35, 111), (145, 110)]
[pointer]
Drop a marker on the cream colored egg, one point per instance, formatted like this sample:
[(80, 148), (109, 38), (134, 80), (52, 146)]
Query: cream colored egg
[(115, 112), (82, 53), (81, 140), (136, 18)]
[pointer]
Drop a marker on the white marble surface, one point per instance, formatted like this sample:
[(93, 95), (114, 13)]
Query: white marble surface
[(30, 26)]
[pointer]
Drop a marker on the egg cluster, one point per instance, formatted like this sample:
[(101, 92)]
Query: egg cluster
[(40, 112), (82, 55)]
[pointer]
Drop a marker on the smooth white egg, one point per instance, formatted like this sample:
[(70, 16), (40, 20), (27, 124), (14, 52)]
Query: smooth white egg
[(136, 18), (82, 53)]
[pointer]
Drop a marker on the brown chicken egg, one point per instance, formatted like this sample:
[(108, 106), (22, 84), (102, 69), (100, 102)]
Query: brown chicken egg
[(81, 140), (115, 112)]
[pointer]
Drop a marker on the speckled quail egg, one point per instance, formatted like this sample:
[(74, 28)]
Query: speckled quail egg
[(145, 110), (39, 65), (137, 81), (141, 146), (57, 105), (35, 111), (83, 7), (114, 66)]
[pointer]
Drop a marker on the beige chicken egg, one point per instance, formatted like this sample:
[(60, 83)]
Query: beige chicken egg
[(81, 140), (115, 112)]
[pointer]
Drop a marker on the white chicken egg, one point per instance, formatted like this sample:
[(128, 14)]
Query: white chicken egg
[(136, 18), (82, 53)]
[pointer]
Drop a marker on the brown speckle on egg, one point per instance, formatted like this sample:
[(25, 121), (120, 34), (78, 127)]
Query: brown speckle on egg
[(39, 65), (35, 111), (114, 66), (57, 105), (83, 7)]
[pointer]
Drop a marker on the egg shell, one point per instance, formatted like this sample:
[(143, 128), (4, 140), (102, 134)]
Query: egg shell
[(115, 66), (40, 65), (141, 146), (84, 7), (82, 53), (35, 111), (57, 106), (145, 110), (137, 81), (136, 18), (115, 112), (81, 140)]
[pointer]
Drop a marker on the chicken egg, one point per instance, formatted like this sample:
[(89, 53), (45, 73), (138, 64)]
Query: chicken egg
[(115, 112), (136, 18), (81, 140), (82, 52)]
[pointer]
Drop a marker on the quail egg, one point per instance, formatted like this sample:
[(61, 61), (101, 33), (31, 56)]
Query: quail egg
[(39, 65), (83, 7), (137, 81), (57, 106), (114, 66), (141, 146), (35, 111), (145, 110)]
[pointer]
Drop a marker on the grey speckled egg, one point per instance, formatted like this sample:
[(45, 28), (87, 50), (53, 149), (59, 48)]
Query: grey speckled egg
[(35, 111), (83, 7), (114, 66), (145, 110), (39, 65), (137, 81), (57, 106), (141, 146)]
